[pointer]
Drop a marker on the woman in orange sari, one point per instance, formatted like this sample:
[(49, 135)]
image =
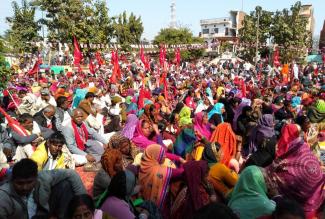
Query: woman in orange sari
[(225, 136)]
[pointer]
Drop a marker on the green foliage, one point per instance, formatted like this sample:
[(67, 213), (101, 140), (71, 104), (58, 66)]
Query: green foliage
[(127, 30), (23, 28), (286, 28), (172, 36), (4, 69)]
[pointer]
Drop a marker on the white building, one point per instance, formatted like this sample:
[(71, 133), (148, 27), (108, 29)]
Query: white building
[(218, 30)]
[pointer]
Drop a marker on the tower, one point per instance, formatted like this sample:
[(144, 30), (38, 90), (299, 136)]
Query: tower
[(173, 14)]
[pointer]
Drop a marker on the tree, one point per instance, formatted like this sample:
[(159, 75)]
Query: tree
[(4, 69), (289, 32), (23, 28), (172, 36), (127, 30), (248, 33)]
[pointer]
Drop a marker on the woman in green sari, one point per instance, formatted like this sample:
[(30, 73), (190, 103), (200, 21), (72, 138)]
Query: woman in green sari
[(249, 198)]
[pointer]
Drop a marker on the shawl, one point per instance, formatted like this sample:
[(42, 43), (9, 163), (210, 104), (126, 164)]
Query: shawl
[(203, 129), (184, 143), (79, 140), (185, 116), (314, 115), (264, 129), (130, 125), (216, 109), (225, 136), (108, 160), (296, 101), (288, 133), (249, 197), (153, 176), (139, 139), (297, 175), (239, 111), (78, 97), (195, 173)]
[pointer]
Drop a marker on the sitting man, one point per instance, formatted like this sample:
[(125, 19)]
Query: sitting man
[(45, 118), (44, 100), (82, 140), (44, 194), (30, 137), (53, 154)]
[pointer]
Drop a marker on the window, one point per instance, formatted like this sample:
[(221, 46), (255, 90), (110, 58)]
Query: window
[(205, 31), (227, 31), (216, 30), (205, 26), (214, 25)]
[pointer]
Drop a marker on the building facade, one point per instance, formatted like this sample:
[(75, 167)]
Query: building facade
[(307, 11), (220, 30)]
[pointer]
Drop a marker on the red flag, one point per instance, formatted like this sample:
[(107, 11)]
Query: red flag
[(14, 124), (162, 55), (116, 68), (35, 68), (113, 57), (243, 88), (92, 67), (99, 58), (178, 57), (77, 54)]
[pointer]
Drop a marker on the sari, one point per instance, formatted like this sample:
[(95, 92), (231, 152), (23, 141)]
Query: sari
[(222, 178), (184, 143), (185, 116), (139, 139), (249, 198), (216, 110), (203, 129), (194, 195), (225, 136), (130, 125), (264, 129), (288, 133), (297, 175), (153, 176)]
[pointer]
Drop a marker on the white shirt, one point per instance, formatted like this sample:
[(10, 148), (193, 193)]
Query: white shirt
[(51, 162)]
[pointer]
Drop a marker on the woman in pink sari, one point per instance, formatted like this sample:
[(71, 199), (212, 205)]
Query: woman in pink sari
[(297, 174), (201, 125)]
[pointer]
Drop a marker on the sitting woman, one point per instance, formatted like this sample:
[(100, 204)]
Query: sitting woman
[(111, 163), (249, 198), (297, 164), (124, 145), (82, 206), (185, 119), (53, 154), (117, 200), (215, 114), (146, 134), (228, 142), (154, 176), (196, 193), (201, 125)]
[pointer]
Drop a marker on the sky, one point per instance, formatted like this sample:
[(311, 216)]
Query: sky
[(155, 14)]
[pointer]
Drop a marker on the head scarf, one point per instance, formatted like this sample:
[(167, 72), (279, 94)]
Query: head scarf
[(117, 140), (288, 133), (210, 153), (249, 197), (264, 129), (239, 111), (185, 116), (108, 160), (297, 175), (139, 139), (129, 128), (195, 172), (225, 136), (296, 101), (216, 110), (184, 143), (203, 129), (153, 176)]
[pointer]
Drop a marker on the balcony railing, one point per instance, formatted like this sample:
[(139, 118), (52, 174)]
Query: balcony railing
[(215, 20)]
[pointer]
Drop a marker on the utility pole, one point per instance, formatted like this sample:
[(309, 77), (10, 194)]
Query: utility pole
[(257, 35)]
